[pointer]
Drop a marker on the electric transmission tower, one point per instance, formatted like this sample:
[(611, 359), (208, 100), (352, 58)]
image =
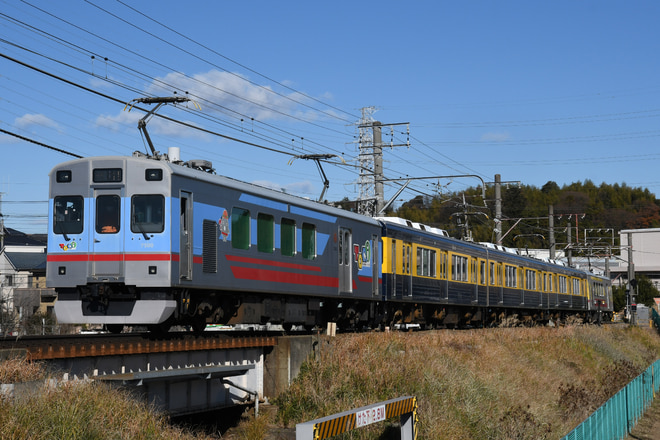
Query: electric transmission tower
[(371, 195)]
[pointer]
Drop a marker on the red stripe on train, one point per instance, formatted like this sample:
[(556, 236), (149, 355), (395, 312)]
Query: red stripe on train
[(274, 276), (272, 263)]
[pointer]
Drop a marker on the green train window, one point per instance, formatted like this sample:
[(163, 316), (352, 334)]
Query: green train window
[(288, 237), (265, 233), (308, 241), (240, 228)]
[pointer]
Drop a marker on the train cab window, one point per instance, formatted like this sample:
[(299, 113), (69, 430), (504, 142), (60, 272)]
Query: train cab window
[(68, 215), (63, 176), (240, 228), (153, 174), (308, 241), (148, 213), (265, 233), (288, 237), (108, 214)]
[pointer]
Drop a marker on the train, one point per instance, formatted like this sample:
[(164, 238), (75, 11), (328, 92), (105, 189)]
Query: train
[(154, 241)]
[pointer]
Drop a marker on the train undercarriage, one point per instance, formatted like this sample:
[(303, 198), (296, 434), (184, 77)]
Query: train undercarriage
[(117, 305)]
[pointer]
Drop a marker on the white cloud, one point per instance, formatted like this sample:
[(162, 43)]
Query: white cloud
[(304, 189), (31, 120), (230, 90), (155, 125), (495, 137)]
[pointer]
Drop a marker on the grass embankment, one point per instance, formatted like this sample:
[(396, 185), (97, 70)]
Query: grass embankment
[(90, 410), (532, 383), (519, 383)]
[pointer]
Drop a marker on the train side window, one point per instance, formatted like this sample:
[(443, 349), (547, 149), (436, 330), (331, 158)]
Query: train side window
[(443, 265), (288, 237), (308, 241), (511, 276), (530, 282), (108, 214), (562, 284), (432, 263), (265, 233), (459, 268), (68, 215), (426, 262), (240, 228), (148, 213)]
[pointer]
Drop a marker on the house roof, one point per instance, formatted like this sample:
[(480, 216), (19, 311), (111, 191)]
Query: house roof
[(12, 237), (27, 260)]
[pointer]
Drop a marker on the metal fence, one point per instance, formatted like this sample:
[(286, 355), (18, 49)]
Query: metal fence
[(616, 418)]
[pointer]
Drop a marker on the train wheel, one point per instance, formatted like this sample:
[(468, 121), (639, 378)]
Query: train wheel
[(198, 324), (160, 329), (115, 329)]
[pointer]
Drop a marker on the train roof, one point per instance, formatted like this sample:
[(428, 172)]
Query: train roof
[(184, 169)]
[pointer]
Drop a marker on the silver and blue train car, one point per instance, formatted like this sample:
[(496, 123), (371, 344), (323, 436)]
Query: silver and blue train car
[(140, 241)]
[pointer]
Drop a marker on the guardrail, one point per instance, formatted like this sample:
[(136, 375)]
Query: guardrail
[(617, 417), (325, 427)]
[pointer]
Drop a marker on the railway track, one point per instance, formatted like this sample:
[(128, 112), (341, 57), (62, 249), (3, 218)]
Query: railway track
[(73, 346)]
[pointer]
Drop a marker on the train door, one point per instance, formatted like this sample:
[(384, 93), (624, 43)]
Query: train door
[(375, 264), (185, 235), (393, 260), (345, 260), (108, 233), (407, 269)]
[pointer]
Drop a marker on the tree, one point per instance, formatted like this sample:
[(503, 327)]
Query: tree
[(645, 291), (619, 297)]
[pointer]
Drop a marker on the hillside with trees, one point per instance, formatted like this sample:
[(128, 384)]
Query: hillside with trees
[(525, 210)]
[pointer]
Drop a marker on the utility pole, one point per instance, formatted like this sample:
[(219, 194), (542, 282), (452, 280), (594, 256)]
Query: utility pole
[(2, 226), (631, 300), (551, 227), (498, 209), (371, 197)]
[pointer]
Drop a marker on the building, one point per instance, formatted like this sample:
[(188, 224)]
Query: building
[(645, 255), (23, 289)]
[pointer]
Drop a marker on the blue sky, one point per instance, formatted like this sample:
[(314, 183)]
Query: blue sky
[(558, 91)]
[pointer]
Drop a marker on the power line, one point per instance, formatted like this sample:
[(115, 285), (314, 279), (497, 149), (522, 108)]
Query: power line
[(106, 96), (41, 144), (239, 64)]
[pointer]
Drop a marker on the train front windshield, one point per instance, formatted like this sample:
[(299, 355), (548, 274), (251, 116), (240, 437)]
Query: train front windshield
[(68, 215)]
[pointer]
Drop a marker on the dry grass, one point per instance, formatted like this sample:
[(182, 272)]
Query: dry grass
[(506, 383), (20, 370), (503, 383), (89, 410)]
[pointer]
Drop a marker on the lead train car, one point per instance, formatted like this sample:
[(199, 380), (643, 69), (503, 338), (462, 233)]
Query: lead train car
[(138, 241)]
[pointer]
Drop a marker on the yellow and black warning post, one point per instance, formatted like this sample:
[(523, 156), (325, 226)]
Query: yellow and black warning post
[(326, 427)]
